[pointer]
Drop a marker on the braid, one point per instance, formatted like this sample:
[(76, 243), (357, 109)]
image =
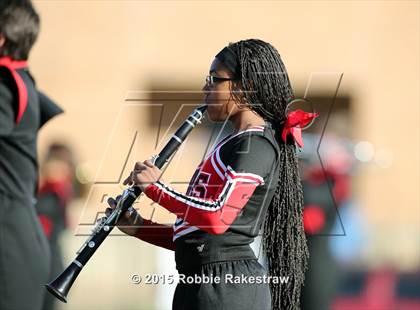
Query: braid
[(283, 238), (267, 91)]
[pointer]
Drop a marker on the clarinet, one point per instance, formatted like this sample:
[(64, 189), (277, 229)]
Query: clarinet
[(62, 284)]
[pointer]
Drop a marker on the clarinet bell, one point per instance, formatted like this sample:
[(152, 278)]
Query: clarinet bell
[(62, 284)]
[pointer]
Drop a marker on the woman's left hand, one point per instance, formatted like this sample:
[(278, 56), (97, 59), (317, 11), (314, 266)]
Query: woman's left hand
[(144, 173)]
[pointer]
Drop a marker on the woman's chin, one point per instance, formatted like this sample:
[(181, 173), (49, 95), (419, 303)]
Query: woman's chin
[(212, 118), (215, 113), (210, 113)]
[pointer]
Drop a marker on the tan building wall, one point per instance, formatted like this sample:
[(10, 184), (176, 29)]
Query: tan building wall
[(90, 54)]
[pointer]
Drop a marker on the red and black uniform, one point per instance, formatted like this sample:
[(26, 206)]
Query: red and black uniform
[(24, 253), (218, 217)]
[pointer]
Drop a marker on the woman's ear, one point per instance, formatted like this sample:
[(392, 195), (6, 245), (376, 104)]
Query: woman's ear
[(239, 95), (2, 39)]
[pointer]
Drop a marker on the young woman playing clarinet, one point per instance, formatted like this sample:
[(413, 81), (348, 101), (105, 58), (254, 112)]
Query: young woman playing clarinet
[(249, 181)]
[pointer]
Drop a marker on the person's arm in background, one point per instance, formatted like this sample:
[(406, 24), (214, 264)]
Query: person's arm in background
[(48, 108), (156, 234), (134, 225)]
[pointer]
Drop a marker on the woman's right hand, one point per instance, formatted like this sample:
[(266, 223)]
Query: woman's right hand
[(130, 222)]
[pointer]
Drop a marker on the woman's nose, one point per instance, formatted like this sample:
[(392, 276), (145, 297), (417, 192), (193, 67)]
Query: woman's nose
[(205, 88)]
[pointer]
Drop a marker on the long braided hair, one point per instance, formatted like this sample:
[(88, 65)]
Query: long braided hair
[(267, 91)]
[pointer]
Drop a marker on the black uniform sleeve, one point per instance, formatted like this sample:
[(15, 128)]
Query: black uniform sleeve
[(250, 154), (7, 113), (48, 108)]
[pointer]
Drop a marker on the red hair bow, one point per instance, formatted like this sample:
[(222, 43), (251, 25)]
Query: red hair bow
[(295, 121)]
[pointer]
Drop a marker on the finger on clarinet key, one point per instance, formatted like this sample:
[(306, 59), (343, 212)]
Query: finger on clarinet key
[(108, 211), (128, 215), (128, 180), (139, 166), (129, 212), (112, 203)]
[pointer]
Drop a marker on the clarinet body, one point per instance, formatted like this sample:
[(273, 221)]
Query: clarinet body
[(62, 284)]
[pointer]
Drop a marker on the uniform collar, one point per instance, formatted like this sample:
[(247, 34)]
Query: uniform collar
[(15, 64)]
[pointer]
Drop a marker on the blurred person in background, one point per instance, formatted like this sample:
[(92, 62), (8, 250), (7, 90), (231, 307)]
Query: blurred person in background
[(320, 214), (326, 179), (55, 192), (24, 251), (327, 188)]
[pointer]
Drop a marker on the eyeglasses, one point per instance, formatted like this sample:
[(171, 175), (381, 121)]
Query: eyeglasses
[(211, 79)]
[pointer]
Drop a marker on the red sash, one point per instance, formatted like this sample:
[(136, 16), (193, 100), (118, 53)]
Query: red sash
[(11, 65)]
